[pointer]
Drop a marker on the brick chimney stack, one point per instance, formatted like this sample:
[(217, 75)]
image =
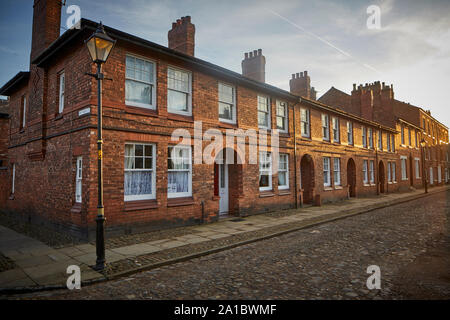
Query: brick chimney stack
[(46, 25), (182, 36), (300, 85), (254, 65)]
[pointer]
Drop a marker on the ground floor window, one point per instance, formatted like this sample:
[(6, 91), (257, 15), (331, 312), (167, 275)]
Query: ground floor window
[(265, 171), (431, 175), (371, 171), (326, 172), (403, 164), (283, 172), (179, 172), (365, 172), (389, 172), (417, 167), (78, 179), (337, 171), (139, 181), (394, 175), (13, 185), (439, 174)]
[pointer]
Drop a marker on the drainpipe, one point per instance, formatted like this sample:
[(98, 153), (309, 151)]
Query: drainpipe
[(295, 154)]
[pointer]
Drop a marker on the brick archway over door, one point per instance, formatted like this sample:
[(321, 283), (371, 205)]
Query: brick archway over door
[(351, 177), (307, 178)]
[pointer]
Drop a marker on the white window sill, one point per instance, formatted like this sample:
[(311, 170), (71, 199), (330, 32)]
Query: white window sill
[(283, 188), (179, 195), (140, 197), (140, 105), (227, 121), (339, 187), (327, 188), (182, 113)]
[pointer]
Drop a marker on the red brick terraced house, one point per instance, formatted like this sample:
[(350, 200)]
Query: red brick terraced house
[(340, 146)]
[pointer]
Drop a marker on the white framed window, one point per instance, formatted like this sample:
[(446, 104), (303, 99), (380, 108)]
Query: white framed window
[(78, 179), (394, 174), (365, 172), (388, 141), (364, 137), (439, 174), (371, 171), (139, 175), (393, 142), (227, 103), (62, 84), (325, 127), (265, 171), (179, 179), (305, 123), (370, 138), (179, 91), (389, 172), (417, 167), (350, 132), (402, 128), (403, 167), (283, 171), (380, 140), (282, 116), (335, 124), (13, 183), (263, 112), (326, 172), (24, 111), (140, 83), (431, 176), (337, 171)]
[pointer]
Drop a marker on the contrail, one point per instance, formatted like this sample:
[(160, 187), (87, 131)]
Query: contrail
[(324, 41)]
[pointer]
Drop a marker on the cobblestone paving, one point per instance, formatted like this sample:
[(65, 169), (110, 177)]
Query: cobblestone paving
[(48, 236), (328, 261)]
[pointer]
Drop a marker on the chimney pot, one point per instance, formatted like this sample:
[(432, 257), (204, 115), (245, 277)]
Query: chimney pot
[(259, 52), (306, 73), (250, 54), (301, 74), (255, 53), (246, 55), (293, 76)]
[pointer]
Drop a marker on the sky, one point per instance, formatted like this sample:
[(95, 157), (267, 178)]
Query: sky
[(328, 38)]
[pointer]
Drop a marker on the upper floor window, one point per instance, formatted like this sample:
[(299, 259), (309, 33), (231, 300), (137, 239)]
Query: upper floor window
[(409, 137), (380, 140), (283, 171), (179, 178), (393, 142), (139, 175), (325, 127), (179, 95), (62, 80), (402, 134), (140, 83), (263, 112), (423, 124), (227, 104), (23, 112), (388, 141), (350, 132), (265, 171), (416, 136), (364, 137), (305, 122), (370, 138), (282, 116), (326, 172), (335, 124)]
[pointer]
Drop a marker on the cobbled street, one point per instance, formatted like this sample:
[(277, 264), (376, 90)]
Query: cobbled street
[(409, 242)]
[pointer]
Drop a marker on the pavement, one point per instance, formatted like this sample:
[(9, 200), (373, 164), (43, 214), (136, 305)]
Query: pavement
[(38, 266)]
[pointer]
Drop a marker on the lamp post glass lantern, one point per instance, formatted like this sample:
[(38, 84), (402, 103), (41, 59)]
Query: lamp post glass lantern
[(100, 45)]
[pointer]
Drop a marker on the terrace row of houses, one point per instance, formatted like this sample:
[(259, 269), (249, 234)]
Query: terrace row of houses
[(339, 146)]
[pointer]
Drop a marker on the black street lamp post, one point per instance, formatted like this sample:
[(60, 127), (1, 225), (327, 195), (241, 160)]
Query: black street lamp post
[(100, 45)]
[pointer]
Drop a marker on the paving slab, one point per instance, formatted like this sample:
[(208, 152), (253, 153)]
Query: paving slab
[(33, 261), (70, 251), (172, 244), (136, 249), (12, 275)]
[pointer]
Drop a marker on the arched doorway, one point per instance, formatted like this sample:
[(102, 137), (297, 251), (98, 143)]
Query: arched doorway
[(351, 177), (228, 181), (307, 178), (381, 176)]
